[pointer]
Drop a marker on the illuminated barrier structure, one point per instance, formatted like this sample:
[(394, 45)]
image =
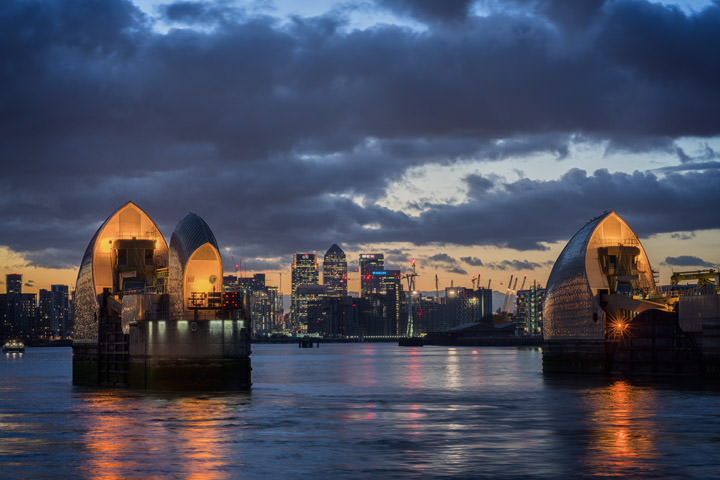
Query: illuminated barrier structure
[(602, 314), (152, 317)]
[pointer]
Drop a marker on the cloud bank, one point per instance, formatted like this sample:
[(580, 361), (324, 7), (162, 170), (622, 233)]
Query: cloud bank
[(284, 135)]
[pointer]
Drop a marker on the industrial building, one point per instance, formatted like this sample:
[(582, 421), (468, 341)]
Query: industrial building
[(603, 314), (151, 317)]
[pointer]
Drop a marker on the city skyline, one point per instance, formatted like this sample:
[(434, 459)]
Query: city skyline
[(473, 136)]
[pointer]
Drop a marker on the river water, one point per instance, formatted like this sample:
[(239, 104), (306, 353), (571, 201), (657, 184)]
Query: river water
[(359, 411)]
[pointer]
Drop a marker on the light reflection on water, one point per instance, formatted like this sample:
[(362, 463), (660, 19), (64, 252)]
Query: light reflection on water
[(353, 411), (623, 428)]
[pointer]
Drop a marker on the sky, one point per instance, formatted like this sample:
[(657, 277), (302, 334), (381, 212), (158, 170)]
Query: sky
[(474, 136)]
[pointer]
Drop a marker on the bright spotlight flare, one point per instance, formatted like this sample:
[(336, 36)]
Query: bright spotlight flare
[(618, 325)]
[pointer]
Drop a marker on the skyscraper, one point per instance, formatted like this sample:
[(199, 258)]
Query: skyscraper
[(18, 315), (304, 272), (369, 262), (335, 272), (53, 314), (13, 283), (61, 309), (44, 313)]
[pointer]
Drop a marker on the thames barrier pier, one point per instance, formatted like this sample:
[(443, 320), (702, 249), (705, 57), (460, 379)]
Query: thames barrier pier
[(153, 317), (603, 312)]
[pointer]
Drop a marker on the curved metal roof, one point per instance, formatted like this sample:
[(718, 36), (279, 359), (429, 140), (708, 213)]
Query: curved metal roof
[(86, 303), (569, 306), (190, 233), (571, 261)]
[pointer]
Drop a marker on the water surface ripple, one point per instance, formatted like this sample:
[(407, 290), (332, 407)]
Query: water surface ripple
[(359, 411)]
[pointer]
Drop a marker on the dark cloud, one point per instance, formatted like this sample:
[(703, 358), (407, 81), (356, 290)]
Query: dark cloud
[(205, 13), (472, 261), (687, 261), (478, 183), (694, 166), (526, 214), (53, 258), (272, 130), (430, 10), (707, 159), (515, 265), (683, 235), (456, 269), (442, 258)]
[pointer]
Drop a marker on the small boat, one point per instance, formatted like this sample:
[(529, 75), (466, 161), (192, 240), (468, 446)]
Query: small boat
[(13, 346)]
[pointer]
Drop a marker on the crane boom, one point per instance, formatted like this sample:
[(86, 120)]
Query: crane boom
[(507, 292)]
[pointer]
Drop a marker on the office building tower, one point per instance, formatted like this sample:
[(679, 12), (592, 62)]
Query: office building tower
[(304, 272), (13, 283), (370, 262), (335, 272), (18, 310), (60, 324), (464, 305), (45, 314), (310, 313), (530, 308)]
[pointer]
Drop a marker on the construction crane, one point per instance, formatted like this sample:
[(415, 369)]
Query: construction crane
[(704, 277), (410, 277), (513, 293), (507, 293), (512, 305)]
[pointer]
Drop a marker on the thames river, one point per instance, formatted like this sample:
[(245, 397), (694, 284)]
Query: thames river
[(359, 411)]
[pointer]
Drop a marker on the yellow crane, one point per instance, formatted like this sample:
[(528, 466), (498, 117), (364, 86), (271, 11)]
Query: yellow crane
[(708, 276)]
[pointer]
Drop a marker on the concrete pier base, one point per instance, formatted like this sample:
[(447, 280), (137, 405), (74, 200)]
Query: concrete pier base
[(168, 355), (574, 356), (86, 366)]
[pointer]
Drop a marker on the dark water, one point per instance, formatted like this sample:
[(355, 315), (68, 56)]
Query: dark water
[(358, 411)]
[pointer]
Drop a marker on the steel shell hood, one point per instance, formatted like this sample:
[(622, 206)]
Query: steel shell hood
[(587, 267)]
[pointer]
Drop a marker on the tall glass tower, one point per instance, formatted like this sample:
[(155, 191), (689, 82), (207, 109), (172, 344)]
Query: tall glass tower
[(369, 263), (304, 272), (335, 272)]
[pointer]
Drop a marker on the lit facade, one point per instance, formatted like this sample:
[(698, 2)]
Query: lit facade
[(149, 316), (195, 269), (335, 272), (604, 257), (13, 283), (125, 251), (310, 312), (53, 312), (370, 262), (304, 272), (529, 309), (463, 305)]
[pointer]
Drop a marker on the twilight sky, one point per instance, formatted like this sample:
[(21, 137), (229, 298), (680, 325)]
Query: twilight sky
[(477, 136)]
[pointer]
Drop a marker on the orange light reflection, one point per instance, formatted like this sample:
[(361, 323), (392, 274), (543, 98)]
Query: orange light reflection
[(191, 440), (621, 441)]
